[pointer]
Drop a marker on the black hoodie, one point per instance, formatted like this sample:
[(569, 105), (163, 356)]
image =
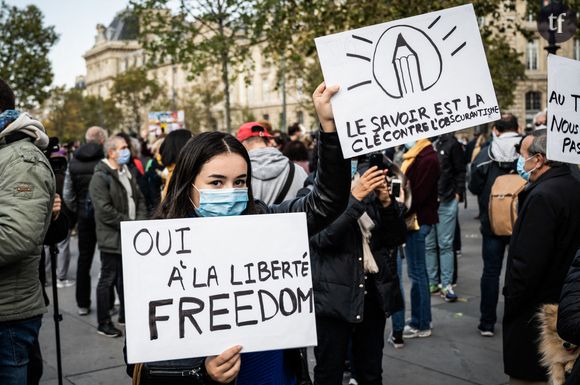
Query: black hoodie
[(81, 169)]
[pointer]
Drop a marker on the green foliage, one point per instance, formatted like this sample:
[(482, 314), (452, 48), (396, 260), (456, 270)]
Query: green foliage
[(134, 90), (24, 46), (199, 34), (292, 25), (71, 114)]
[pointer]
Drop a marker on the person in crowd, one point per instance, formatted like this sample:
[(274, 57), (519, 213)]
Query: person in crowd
[(421, 167), (499, 158), (116, 198), (297, 152), (540, 120), (355, 281), (274, 177), (294, 132), (153, 171), (470, 146), (451, 191), (215, 167), (27, 186), (545, 238), (77, 198), (137, 169), (169, 150), (569, 313)]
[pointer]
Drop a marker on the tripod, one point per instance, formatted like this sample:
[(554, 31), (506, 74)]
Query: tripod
[(57, 316)]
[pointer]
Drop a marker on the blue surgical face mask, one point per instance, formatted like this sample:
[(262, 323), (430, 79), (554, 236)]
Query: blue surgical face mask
[(409, 145), (520, 167), (221, 202), (123, 156), (353, 167)]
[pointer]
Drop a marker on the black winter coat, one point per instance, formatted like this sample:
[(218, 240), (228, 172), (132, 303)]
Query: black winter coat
[(327, 200), (569, 314), (545, 239), (81, 169), (453, 167), (337, 261)]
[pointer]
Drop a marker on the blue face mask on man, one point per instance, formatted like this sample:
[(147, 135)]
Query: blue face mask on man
[(520, 167), (353, 167), (410, 145), (124, 156), (222, 202)]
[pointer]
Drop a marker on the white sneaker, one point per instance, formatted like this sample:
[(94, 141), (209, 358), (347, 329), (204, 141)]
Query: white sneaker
[(84, 310), (353, 382), (62, 283), (410, 332)]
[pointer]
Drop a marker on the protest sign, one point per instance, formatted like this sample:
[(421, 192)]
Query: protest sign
[(408, 79), (563, 109), (195, 287)]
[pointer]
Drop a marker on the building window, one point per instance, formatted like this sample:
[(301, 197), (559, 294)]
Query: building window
[(266, 116), (532, 52), (533, 106), (300, 117), (577, 49)]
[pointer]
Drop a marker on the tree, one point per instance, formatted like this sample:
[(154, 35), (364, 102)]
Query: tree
[(292, 25), (71, 114), (24, 46), (200, 34), (134, 90)]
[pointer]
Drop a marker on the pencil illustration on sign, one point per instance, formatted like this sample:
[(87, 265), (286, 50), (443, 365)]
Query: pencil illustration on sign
[(406, 60)]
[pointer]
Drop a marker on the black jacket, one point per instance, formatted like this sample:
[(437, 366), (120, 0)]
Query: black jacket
[(453, 167), (545, 239), (337, 261), (569, 310), (81, 169), (326, 201)]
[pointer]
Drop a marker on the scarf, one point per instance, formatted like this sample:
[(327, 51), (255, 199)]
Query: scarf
[(366, 225), (410, 156), (7, 117)]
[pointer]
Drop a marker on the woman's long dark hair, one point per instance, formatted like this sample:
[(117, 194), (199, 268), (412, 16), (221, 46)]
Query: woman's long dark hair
[(196, 152)]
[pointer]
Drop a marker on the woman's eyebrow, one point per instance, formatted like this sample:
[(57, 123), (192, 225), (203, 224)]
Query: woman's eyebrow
[(216, 176), (242, 176)]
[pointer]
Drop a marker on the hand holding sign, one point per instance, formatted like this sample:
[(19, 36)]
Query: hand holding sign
[(225, 367), (321, 98)]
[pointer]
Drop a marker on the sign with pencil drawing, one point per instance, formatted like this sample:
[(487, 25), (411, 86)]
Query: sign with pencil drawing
[(563, 141), (197, 286), (408, 79)]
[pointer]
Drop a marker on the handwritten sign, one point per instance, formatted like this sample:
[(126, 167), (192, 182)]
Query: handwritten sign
[(195, 287), (409, 79), (563, 142)]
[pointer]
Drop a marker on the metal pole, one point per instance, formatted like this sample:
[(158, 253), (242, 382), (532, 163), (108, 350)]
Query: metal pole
[(284, 127), (57, 316)]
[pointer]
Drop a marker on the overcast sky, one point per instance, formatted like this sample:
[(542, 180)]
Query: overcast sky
[(75, 22)]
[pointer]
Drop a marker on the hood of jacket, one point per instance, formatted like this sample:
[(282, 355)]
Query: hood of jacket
[(89, 152), (502, 148), (30, 127), (267, 163)]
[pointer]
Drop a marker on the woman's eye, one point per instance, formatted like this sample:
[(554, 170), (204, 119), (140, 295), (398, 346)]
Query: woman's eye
[(216, 183), (240, 182)]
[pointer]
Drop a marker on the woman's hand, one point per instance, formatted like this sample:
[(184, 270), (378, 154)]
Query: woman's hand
[(225, 367), (369, 181), (321, 98), (56, 207)]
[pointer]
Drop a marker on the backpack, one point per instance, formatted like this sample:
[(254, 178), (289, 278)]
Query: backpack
[(503, 203)]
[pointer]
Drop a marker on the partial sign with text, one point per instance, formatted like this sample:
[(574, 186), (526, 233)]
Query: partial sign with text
[(408, 79), (195, 287), (563, 109)]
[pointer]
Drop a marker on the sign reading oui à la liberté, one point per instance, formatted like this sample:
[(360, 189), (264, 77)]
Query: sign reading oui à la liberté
[(408, 79), (195, 287), (563, 141)]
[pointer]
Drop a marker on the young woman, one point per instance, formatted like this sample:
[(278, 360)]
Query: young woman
[(356, 287), (212, 177)]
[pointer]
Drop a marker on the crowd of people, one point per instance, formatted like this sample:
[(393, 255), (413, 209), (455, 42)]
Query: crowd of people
[(366, 216)]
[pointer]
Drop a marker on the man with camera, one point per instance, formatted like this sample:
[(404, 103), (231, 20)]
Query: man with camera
[(27, 188)]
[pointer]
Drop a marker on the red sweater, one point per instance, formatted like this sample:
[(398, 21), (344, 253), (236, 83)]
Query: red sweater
[(423, 175)]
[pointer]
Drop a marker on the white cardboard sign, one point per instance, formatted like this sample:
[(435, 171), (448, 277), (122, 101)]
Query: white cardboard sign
[(563, 110), (195, 287), (408, 79)]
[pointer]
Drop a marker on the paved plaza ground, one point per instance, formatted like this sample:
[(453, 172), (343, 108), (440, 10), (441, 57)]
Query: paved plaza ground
[(455, 353)]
